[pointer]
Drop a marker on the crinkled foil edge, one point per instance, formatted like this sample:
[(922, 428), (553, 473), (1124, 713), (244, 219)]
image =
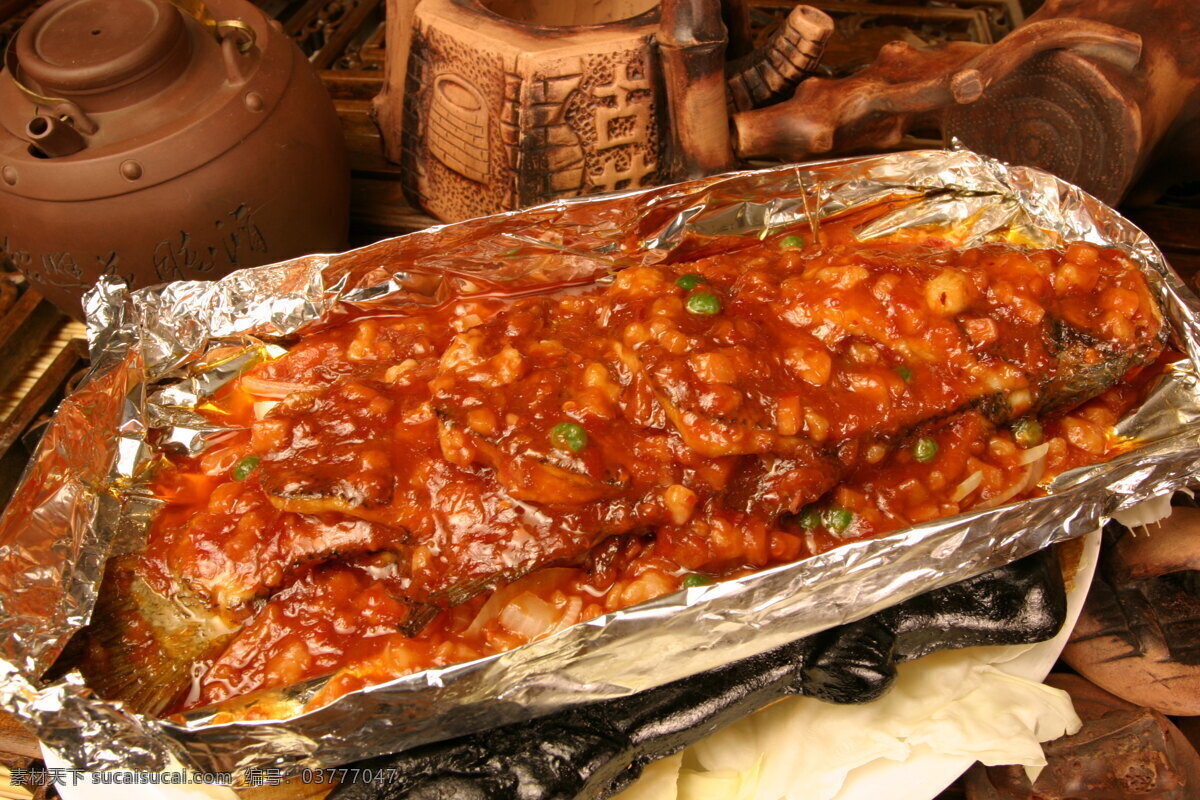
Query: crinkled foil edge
[(79, 501)]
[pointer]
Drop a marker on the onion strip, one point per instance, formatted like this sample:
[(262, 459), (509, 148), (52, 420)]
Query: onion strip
[(970, 484), (273, 390), (535, 582), (1034, 460), (529, 616), (263, 407), (1034, 453)]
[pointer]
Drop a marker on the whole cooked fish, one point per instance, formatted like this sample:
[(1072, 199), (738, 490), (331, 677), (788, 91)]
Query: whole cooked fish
[(468, 445), (553, 421)]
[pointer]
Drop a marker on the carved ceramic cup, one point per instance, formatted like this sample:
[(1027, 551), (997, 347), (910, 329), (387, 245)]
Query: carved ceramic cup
[(515, 102), (158, 140)]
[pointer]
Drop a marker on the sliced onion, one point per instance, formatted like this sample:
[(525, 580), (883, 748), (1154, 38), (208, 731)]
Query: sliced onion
[(1006, 495), (272, 390), (529, 616), (1034, 453), (571, 615), (502, 597), (970, 484), (1034, 460), (263, 407), (1037, 468)]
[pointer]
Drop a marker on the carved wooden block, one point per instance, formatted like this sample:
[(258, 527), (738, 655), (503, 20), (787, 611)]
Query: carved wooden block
[(1104, 93), (516, 102)]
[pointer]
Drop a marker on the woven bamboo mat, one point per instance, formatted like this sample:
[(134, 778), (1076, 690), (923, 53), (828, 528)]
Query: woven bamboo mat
[(41, 360)]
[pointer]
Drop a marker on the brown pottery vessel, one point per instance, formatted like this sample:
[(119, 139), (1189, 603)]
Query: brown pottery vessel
[(507, 103), (156, 141), (514, 103)]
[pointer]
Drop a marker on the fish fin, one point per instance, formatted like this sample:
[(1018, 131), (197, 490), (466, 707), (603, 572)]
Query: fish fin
[(140, 647)]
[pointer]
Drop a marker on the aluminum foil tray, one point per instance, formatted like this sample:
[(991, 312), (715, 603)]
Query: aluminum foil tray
[(83, 498)]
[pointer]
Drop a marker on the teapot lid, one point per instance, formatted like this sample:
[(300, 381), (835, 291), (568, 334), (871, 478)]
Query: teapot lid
[(165, 87), (96, 47)]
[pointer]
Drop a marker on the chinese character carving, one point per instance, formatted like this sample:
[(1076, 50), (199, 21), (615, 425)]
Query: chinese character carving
[(627, 119)]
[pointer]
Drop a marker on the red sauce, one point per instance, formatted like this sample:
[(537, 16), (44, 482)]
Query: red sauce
[(431, 487)]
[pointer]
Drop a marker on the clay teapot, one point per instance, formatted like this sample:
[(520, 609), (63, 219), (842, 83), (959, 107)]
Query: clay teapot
[(157, 140)]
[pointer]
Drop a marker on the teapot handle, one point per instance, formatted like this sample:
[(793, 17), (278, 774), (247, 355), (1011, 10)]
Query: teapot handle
[(235, 37), (197, 10), (235, 44)]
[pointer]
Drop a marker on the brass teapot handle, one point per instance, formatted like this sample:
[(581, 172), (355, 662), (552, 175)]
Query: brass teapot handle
[(197, 10)]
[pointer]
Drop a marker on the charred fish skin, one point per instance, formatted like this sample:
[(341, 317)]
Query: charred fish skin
[(505, 435), (1083, 375)]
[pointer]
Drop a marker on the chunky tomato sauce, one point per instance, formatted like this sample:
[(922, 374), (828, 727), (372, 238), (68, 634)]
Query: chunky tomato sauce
[(415, 490)]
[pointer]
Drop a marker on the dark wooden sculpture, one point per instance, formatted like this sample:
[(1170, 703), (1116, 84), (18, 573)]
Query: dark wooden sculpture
[(703, 87), (873, 109), (1098, 91), (1122, 133)]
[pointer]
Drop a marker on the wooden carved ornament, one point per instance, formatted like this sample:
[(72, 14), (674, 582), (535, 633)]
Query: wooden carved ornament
[(1100, 92)]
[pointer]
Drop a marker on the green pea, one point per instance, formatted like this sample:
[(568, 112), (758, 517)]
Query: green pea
[(925, 449), (905, 373), (1028, 433), (693, 579), (792, 241), (810, 518), (244, 467), (568, 436), (704, 303), (838, 519), (689, 281)]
